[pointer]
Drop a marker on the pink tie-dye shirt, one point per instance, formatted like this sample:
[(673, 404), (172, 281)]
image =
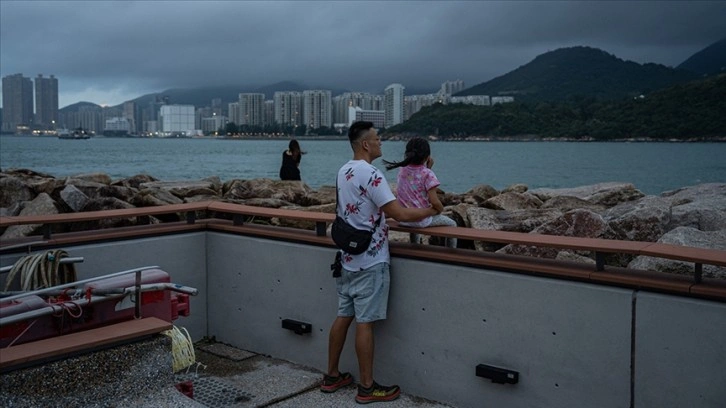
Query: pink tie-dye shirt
[(414, 183)]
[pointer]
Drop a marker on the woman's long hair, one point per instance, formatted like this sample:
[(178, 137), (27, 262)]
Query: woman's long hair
[(417, 150)]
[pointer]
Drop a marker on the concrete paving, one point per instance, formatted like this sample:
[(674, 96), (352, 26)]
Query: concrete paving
[(260, 381)]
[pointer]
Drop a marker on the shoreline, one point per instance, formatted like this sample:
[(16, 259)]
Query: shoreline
[(395, 138)]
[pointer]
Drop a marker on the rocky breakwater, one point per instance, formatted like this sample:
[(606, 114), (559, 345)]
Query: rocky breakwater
[(690, 216)]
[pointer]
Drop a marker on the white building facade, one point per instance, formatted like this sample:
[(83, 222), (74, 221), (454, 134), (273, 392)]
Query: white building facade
[(177, 119), (317, 109), (394, 104), (288, 108), (251, 109)]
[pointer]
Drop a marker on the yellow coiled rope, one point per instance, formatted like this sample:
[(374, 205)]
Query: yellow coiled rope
[(41, 270), (182, 348)]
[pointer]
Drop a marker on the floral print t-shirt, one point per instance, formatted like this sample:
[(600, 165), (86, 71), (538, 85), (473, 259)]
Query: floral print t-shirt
[(413, 185), (362, 191)]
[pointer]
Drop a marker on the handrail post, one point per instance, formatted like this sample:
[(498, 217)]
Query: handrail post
[(599, 261), (191, 217), (320, 228), (46, 231), (238, 219), (137, 301), (698, 273)]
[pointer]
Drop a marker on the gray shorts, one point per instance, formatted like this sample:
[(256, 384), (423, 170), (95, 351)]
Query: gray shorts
[(364, 294)]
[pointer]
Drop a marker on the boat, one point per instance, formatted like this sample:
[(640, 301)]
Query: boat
[(465, 328), (77, 134)]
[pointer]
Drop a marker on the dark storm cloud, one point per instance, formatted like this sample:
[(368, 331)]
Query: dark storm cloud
[(124, 49)]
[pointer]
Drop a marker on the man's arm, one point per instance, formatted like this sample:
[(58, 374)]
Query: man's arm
[(395, 210)]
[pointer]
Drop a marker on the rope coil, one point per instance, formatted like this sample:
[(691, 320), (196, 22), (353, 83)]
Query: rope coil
[(41, 270), (182, 348)]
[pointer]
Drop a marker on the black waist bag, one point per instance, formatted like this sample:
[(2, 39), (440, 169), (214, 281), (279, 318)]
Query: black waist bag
[(349, 238)]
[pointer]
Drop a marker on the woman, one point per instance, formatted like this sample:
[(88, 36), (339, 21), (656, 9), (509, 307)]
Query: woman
[(290, 169)]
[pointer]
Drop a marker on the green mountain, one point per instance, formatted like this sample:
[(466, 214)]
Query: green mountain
[(689, 111), (77, 106), (580, 71), (709, 61)]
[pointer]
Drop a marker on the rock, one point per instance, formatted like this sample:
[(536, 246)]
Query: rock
[(482, 192), (150, 197), (120, 192), (100, 178), (567, 203), (292, 191), (516, 188), (513, 201), (73, 198), (135, 181), (41, 205), (686, 236), (643, 220), (181, 189), (104, 204), (50, 186), (575, 223), (307, 225), (607, 194), (566, 255), (702, 207), (89, 188), (502, 220), (14, 189)]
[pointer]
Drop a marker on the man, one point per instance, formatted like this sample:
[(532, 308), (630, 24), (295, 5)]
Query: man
[(364, 196)]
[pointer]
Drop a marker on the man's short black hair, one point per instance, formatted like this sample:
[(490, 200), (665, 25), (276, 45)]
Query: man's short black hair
[(358, 129)]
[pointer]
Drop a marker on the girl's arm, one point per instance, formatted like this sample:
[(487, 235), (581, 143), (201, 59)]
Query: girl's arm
[(434, 200)]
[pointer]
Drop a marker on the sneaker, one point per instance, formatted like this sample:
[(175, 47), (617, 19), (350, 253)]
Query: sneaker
[(332, 384), (377, 393)]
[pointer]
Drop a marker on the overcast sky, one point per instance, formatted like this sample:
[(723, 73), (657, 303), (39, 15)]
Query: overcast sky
[(110, 52)]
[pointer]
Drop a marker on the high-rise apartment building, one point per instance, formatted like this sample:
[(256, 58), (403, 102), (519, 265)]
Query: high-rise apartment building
[(46, 102), (363, 100), (177, 119), (17, 103), (268, 113), (394, 97), (451, 87), (251, 108), (288, 108), (132, 113), (317, 106)]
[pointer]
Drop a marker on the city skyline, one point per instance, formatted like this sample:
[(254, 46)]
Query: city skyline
[(150, 47)]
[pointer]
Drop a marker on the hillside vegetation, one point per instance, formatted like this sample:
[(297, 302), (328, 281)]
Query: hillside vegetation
[(560, 74), (694, 110)]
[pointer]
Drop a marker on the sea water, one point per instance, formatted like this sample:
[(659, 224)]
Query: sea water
[(652, 167)]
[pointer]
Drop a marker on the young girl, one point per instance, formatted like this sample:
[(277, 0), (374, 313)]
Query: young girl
[(417, 186)]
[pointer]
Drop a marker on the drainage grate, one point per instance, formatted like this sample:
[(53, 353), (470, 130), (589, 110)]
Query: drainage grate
[(218, 394)]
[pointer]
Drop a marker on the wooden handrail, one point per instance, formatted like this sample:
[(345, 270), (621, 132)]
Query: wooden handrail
[(597, 245)]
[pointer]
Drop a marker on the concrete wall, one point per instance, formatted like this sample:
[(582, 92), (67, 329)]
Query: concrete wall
[(570, 342)]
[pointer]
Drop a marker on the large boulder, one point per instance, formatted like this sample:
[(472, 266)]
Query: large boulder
[(686, 236), (607, 194), (646, 219), (88, 187), (182, 189), (702, 206), (482, 192), (501, 220), (100, 178), (104, 204), (575, 223), (566, 203), (516, 188), (513, 201), (14, 189), (134, 181), (73, 198), (149, 197), (292, 191), (41, 205)]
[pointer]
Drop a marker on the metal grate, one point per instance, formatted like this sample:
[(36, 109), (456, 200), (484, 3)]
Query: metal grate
[(217, 394)]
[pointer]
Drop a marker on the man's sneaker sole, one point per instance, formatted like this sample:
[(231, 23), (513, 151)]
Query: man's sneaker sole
[(345, 379)]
